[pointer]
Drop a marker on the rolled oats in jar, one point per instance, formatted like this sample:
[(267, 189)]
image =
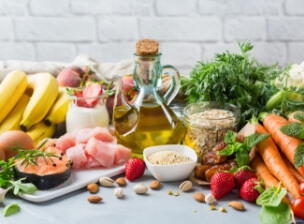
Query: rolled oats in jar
[(207, 123)]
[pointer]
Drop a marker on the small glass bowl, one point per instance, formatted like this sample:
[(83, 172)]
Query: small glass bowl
[(207, 123)]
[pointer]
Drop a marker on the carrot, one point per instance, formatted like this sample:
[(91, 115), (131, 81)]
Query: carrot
[(274, 162), (287, 144), (262, 171), (291, 117), (293, 170)]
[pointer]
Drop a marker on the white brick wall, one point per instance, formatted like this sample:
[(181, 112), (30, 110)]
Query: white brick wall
[(188, 31)]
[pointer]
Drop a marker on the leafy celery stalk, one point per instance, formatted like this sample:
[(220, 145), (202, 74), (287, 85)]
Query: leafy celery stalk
[(278, 98)]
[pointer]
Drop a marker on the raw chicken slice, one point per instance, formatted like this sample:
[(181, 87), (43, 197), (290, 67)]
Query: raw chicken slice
[(104, 153), (122, 154), (91, 163), (65, 142), (103, 134), (77, 155)]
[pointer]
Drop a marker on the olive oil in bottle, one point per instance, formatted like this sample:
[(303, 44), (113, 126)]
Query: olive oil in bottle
[(152, 124)]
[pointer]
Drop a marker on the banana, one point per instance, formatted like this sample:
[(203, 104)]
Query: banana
[(11, 89), (11, 122), (44, 88), (59, 109), (41, 131)]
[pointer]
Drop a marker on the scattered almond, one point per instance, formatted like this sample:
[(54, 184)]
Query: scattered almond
[(121, 181), (155, 184), (186, 186), (94, 198), (236, 205), (92, 188), (199, 196)]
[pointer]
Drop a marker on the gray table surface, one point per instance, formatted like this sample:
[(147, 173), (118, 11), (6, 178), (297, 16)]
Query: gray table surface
[(154, 207)]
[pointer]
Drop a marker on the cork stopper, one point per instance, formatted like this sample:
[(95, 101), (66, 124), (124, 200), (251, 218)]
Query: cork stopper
[(147, 47)]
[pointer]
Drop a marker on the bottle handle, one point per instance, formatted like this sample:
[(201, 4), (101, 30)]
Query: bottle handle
[(175, 83)]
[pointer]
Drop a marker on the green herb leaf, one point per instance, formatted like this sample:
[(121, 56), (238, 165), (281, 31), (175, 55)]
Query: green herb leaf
[(293, 129), (299, 116), (272, 196), (242, 157), (27, 188), (230, 137), (11, 209), (236, 78), (279, 214), (254, 139), (299, 155)]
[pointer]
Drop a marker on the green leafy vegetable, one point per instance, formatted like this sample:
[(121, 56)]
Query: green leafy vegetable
[(241, 149), (272, 196), (277, 215), (19, 187), (11, 209), (293, 129), (299, 116), (232, 78), (274, 210), (299, 155)]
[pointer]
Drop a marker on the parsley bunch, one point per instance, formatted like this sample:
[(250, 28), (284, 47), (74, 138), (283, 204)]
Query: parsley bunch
[(232, 78)]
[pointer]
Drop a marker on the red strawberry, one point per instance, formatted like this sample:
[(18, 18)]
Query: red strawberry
[(134, 168), (221, 184), (92, 92), (250, 190), (242, 175)]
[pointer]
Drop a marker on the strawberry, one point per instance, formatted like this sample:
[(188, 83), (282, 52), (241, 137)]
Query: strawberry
[(221, 184), (92, 92), (251, 190), (134, 168), (243, 174)]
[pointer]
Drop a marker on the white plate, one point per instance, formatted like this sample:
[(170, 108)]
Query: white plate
[(77, 180)]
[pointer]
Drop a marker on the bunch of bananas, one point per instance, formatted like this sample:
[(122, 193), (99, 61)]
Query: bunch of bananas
[(34, 104)]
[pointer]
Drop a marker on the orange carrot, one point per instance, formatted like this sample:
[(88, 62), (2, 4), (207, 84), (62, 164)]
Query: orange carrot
[(262, 171), (287, 144), (291, 117), (274, 162), (293, 170)]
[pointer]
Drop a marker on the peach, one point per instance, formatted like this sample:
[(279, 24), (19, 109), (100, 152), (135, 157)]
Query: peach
[(70, 76)]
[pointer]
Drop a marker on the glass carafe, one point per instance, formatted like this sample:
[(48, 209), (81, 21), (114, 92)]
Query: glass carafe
[(148, 121)]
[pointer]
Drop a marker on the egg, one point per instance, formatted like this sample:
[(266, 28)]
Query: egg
[(9, 139)]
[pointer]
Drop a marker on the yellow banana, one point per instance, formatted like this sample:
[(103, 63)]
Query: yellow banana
[(44, 88), (41, 131), (11, 89), (12, 121), (59, 109)]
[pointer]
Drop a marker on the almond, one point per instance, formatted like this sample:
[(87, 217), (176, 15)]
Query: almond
[(121, 181), (199, 196), (92, 188), (236, 205), (94, 198), (155, 184)]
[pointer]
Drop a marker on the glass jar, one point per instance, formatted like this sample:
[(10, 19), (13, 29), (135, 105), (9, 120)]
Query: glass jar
[(81, 115), (206, 124)]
